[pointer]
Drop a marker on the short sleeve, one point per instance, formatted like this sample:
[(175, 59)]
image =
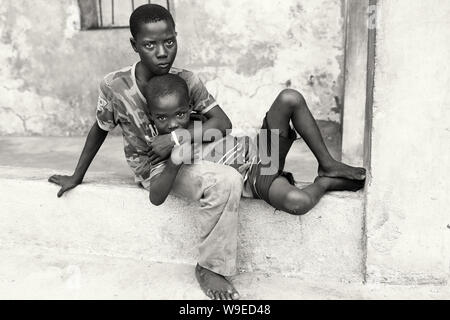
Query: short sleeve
[(106, 114), (157, 169), (154, 171), (201, 99)]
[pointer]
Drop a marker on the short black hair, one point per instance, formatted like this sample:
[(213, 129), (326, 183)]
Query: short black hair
[(148, 13), (160, 86)]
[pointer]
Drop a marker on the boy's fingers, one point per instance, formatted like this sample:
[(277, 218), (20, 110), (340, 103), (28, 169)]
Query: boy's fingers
[(65, 189), (54, 179), (153, 157), (156, 160), (61, 191)]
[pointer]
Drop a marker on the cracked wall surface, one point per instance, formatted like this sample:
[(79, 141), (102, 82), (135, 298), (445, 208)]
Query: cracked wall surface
[(246, 52)]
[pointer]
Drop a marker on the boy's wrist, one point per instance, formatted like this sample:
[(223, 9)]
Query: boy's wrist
[(78, 177), (181, 136), (171, 165), (174, 138)]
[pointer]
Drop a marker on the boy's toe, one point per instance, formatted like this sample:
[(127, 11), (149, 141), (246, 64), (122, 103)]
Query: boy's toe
[(210, 294), (362, 173)]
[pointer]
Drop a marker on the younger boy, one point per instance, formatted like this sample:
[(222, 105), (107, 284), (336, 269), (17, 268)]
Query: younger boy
[(168, 106)]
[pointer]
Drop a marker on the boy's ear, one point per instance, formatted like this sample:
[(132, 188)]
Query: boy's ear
[(133, 44)]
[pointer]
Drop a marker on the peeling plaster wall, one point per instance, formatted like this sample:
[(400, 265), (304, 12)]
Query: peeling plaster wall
[(50, 71), (408, 215), (245, 51), (250, 50)]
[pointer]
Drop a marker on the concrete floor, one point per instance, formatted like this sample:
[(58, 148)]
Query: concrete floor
[(62, 153), (37, 275)]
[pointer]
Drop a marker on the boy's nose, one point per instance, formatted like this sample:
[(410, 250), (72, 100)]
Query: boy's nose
[(173, 125), (161, 51)]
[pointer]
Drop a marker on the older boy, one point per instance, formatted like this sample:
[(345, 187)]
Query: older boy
[(121, 103)]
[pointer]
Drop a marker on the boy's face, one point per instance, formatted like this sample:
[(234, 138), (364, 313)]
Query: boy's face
[(156, 45), (170, 112)]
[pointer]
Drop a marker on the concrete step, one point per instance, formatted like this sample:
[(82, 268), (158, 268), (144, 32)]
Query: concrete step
[(109, 216), (62, 153), (44, 274)]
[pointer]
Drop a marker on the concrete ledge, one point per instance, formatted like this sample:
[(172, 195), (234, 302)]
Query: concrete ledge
[(114, 218)]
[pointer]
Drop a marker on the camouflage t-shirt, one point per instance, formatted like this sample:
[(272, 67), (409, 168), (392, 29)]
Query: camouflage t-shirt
[(120, 102)]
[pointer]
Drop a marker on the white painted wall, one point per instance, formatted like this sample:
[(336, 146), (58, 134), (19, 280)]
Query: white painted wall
[(408, 207)]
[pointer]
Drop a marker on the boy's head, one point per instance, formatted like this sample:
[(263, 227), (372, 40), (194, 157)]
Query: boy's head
[(154, 37), (168, 102)]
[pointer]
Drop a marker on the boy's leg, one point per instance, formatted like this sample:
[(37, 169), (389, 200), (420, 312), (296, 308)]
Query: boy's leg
[(286, 197), (290, 105), (219, 189)]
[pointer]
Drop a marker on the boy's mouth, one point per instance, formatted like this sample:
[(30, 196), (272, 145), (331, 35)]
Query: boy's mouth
[(164, 65)]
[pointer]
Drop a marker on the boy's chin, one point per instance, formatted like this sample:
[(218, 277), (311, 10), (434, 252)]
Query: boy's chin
[(162, 71)]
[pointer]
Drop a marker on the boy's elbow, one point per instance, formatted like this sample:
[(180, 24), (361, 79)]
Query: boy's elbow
[(226, 126), (156, 201)]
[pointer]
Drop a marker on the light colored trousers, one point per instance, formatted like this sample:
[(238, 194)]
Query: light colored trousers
[(218, 188)]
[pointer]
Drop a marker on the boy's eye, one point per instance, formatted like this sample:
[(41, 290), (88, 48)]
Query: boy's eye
[(181, 114), (149, 45), (170, 42), (161, 118)]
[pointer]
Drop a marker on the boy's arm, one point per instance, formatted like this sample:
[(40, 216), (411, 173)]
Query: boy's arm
[(216, 118), (161, 184), (94, 141)]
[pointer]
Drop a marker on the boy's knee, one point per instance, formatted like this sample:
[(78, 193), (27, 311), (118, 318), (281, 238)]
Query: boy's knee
[(291, 99), (298, 202), (231, 178)]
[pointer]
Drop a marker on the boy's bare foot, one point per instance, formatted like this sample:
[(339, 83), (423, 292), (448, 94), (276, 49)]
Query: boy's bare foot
[(214, 285), (339, 184), (341, 170)]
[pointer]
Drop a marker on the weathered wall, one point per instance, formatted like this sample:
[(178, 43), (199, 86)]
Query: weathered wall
[(246, 52), (49, 70), (249, 50), (408, 215)]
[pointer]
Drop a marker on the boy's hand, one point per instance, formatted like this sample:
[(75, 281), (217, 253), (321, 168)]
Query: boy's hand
[(66, 183), (186, 153), (161, 146)]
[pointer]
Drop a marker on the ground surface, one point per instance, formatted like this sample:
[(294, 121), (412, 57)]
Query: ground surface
[(98, 277)]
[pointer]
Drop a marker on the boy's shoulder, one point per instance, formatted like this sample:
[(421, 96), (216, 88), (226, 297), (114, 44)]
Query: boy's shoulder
[(117, 76), (183, 73), (190, 77)]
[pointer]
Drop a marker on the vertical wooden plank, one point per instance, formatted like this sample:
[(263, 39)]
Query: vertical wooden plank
[(112, 12), (101, 13), (355, 82)]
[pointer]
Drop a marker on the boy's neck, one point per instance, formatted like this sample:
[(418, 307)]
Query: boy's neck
[(143, 75)]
